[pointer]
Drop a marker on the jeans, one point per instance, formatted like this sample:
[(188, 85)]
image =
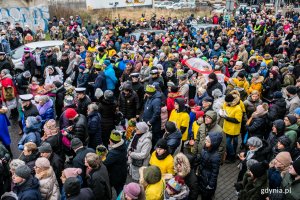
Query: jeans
[(231, 145)]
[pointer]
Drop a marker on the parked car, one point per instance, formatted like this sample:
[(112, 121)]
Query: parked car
[(206, 27), (138, 32), (17, 54)]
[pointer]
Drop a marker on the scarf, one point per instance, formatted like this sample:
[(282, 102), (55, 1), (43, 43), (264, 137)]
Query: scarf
[(135, 141), (163, 156)]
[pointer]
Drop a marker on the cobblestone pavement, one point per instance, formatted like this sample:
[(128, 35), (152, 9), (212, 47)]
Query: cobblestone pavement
[(227, 176)]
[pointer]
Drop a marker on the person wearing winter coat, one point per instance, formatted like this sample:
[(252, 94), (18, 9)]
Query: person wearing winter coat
[(152, 112), (110, 76), (32, 132), (291, 128), (283, 144), (278, 128), (132, 191), (49, 188), (218, 99), (293, 100), (213, 84), (94, 126), (258, 150), (243, 54), (29, 63), (176, 189), (271, 85), (255, 182), (116, 161), (182, 168), (128, 101), (56, 162), (256, 84), (209, 126), (97, 177), (278, 108), (29, 155), (291, 182), (256, 124), (162, 158), (83, 76), (172, 136), (180, 117), (83, 100), (209, 164), (139, 149), (51, 58), (5, 180), (107, 108), (74, 191), (45, 108), (172, 95), (151, 179), (53, 74), (252, 102), (200, 95), (26, 186)]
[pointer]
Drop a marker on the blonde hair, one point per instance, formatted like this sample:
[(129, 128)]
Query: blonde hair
[(93, 160), (31, 146)]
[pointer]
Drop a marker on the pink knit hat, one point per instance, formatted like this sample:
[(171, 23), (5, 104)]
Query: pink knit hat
[(72, 172), (132, 190)]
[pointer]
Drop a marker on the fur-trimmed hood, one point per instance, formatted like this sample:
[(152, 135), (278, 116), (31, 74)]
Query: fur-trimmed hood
[(260, 79), (236, 100), (181, 159)]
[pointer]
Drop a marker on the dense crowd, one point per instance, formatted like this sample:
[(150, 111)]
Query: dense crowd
[(111, 113)]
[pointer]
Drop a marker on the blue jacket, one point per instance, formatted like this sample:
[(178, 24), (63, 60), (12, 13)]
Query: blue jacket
[(173, 141), (82, 79), (28, 190), (6, 46), (110, 77), (4, 124), (199, 99), (49, 111), (122, 64), (100, 81), (152, 111), (83, 55), (94, 129), (31, 134)]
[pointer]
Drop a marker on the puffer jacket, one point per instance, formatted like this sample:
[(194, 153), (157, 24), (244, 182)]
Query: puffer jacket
[(271, 86), (129, 105), (173, 140), (110, 77), (31, 134), (258, 125), (142, 152), (79, 129), (252, 190), (48, 185), (273, 137), (83, 105), (251, 105), (94, 129), (155, 191), (277, 110), (293, 103), (82, 79), (209, 166), (291, 132), (292, 185), (46, 111)]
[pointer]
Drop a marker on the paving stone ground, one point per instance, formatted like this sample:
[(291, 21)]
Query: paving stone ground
[(227, 176)]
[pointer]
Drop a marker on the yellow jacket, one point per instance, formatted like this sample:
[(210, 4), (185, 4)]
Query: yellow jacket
[(241, 84), (256, 85), (166, 165), (155, 191), (181, 119), (195, 128)]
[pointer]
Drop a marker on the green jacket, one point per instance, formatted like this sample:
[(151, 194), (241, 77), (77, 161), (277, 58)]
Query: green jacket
[(253, 190), (291, 132), (291, 186)]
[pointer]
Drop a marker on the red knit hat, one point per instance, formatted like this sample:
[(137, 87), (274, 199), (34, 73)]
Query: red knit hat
[(70, 113)]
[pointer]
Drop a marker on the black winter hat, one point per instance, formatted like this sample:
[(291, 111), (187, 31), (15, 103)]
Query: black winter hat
[(229, 98), (75, 143), (72, 186), (292, 118), (291, 89), (285, 141), (241, 75), (213, 76), (23, 171), (259, 169), (170, 127), (174, 88), (277, 95), (208, 99), (162, 143)]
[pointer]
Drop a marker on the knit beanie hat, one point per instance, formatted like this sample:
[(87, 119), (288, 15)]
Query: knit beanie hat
[(106, 62), (277, 95), (72, 172), (82, 67), (115, 136), (42, 162), (72, 186), (162, 143), (174, 88), (292, 118), (32, 121), (75, 143), (152, 174), (284, 158), (70, 113), (170, 127), (23, 171), (132, 190), (216, 93), (98, 93), (45, 148), (108, 94), (291, 89), (229, 98), (297, 111), (259, 169), (254, 141), (175, 184), (142, 126), (250, 162), (170, 84), (9, 196), (285, 140), (296, 165), (150, 89), (275, 73)]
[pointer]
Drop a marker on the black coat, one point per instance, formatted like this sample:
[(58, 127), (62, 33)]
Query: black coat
[(78, 160), (98, 181), (59, 102), (139, 89), (4, 64), (210, 89), (257, 127), (30, 110), (129, 105), (58, 165), (51, 60), (56, 143), (85, 193), (83, 105), (30, 65), (79, 129), (277, 110), (107, 110), (192, 182), (271, 86), (28, 190), (116, 163), (94, 129)]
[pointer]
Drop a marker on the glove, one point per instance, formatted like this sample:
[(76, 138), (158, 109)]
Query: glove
[(148, 123), (209, 188)]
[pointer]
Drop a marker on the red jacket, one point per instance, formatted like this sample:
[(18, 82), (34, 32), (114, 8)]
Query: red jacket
[(171, 100)]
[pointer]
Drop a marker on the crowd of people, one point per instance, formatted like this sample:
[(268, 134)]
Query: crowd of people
[(111, 114)]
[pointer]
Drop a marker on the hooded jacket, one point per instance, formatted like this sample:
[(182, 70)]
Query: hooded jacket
[(273, 138), (94, 129), (291, 132), (28, 190), (173, 140), (110, 77), (277, 110), (181, 118)]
